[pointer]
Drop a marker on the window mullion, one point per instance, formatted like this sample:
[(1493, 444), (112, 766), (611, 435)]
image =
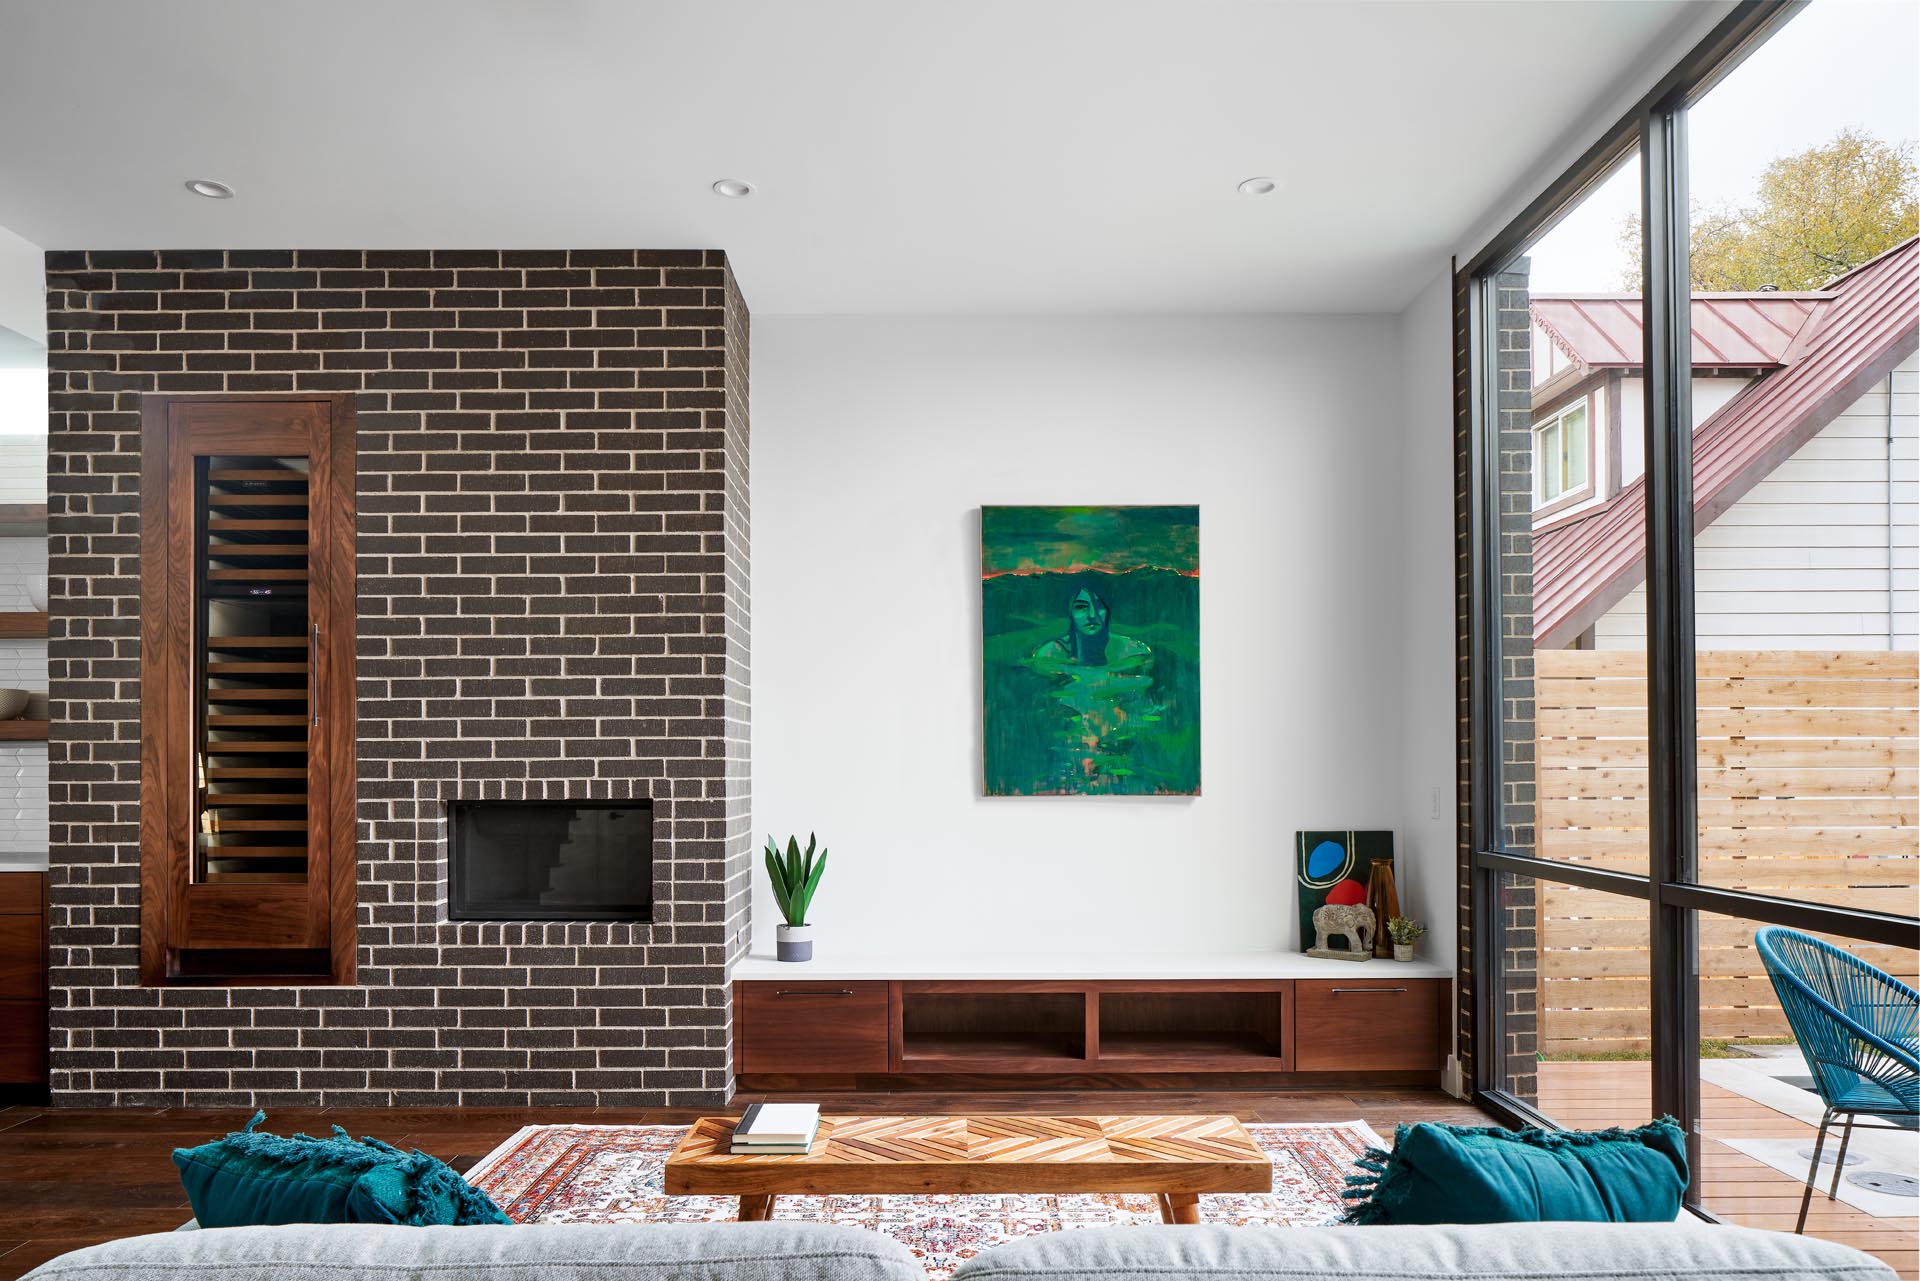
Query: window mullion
[(1672, 776)]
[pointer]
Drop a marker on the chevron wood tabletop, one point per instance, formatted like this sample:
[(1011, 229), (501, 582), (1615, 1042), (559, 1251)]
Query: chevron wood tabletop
[(1172, 1157)]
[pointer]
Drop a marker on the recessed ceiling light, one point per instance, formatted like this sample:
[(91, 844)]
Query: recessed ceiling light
[(1257, 186), (733, 188), (210, 189)]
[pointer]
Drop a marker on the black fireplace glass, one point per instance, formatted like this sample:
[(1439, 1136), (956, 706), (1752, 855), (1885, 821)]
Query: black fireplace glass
[(550, 861)]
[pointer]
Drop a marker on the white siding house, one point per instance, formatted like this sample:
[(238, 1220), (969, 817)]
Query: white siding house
[(1806, 411), (1822, 554)]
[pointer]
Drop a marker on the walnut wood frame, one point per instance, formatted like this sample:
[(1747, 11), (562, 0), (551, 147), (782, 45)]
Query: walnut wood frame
[(323, 913)]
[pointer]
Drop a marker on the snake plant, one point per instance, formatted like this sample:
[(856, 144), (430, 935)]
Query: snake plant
[(795, 877)]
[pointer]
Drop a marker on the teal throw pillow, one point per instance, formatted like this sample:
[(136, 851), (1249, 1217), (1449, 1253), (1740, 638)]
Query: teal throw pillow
[(1482, 1174), (250, 1178)]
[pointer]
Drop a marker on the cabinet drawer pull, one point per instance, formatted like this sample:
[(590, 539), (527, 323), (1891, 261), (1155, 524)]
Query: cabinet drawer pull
[(838, 991), (1336, 991)]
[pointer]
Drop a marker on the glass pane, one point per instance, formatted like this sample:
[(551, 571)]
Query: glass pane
[(1547, 458), (1804, 435), (1761, 1108), (1573, 688), (1574, 993), (1573, 446), (255, 721)]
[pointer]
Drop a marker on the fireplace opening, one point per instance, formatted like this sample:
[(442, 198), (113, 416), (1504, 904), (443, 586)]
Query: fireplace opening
[(550, 860)]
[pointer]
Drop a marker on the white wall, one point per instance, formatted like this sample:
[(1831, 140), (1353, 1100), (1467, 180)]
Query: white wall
[(1710, 396), (1801, 562), (876, 441), (23, 279)]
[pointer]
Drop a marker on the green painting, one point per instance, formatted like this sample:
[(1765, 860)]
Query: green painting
[(1091, 647)]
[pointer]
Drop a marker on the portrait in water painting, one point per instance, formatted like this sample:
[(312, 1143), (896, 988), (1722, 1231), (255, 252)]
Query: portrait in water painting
[(1091, 647)]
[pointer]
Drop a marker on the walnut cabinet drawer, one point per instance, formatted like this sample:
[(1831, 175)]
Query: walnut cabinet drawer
[(22, 975), (1369, 1025), (21, 893), (792, 1028), (23, 1043)]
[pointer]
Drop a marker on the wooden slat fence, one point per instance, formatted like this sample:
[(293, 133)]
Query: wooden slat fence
[(1809, 788)]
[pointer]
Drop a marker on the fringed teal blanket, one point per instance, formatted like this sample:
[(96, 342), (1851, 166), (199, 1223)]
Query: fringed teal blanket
[(250, 1177), (1483, 1174)]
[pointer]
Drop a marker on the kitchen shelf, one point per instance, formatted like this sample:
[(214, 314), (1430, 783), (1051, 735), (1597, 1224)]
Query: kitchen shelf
[(23, 731), (23, 625), (23, 520)]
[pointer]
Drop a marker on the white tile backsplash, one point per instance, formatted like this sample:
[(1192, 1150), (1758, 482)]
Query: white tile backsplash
[(23, 664), (23, 798), (23, 469), (20, 559)]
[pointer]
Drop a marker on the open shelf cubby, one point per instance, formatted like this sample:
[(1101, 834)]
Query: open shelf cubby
[(1161, 1027), (1031, 1029)]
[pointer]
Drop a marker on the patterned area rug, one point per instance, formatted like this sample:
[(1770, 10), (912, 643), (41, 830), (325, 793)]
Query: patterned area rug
[(613, 1174)]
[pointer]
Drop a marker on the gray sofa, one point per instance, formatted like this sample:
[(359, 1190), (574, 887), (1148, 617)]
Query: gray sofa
[(780, 1251)]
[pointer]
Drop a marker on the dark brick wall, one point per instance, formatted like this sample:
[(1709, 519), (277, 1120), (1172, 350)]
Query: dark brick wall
[(1511, 453), (1513, 373), (552, 603), (1466, 976)]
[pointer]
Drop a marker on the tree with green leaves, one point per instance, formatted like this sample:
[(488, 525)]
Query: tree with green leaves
[(1818, 214)]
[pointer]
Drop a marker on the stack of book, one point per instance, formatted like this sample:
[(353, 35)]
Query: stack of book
[(769, 1129)]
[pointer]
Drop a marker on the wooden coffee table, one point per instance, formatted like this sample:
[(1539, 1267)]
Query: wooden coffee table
[(1174, 1158)]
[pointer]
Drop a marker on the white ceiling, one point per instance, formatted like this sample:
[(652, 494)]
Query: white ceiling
[(985, 156)]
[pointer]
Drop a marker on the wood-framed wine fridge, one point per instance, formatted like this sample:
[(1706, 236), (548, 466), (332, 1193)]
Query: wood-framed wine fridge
[(247, 839)]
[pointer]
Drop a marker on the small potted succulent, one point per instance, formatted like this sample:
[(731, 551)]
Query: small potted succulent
[(795, 877), (1405, 932)]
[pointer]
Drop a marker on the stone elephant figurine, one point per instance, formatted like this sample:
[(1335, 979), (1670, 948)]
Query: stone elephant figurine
[(1354, 921)]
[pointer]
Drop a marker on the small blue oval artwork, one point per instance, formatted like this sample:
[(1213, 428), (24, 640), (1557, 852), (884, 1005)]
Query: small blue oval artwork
[(1325, 860)]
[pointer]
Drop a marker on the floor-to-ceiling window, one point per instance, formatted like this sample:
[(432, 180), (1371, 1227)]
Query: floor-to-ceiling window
[(1564, 346), (1690, 404), (1800, 172)]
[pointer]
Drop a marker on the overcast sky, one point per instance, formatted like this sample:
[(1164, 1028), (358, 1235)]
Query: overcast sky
[(1839, 63)]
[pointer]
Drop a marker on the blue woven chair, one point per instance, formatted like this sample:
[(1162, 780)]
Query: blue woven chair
[(1856, 1025)]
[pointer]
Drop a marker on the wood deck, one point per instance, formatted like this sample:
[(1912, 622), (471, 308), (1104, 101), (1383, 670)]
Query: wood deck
[(1737, 1188)]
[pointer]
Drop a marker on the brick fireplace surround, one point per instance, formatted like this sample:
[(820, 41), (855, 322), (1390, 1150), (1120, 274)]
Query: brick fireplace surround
[(553, 592)]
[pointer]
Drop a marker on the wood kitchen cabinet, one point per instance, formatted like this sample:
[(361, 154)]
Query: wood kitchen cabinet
[(23, 981), (246, 689)]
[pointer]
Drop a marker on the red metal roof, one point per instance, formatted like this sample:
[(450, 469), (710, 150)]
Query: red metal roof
[(1730, 331), (1858, 329)]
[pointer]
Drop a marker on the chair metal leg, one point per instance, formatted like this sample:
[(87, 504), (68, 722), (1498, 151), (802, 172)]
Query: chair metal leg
[(1813, 1171), (1840, 1162)]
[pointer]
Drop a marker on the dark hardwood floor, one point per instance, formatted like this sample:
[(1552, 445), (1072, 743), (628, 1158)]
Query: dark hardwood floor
[(73, 1177)]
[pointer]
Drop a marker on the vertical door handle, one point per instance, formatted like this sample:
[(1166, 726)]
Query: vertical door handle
[(313, 674)]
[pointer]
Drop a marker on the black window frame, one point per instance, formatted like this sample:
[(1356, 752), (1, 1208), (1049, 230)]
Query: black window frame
[(1656, 127)]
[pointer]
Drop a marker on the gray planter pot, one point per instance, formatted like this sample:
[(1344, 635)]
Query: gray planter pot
[(793, 942), (1403, 951)]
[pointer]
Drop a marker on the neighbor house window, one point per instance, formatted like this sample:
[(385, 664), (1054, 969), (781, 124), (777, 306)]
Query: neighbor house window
[(1560, 454)]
